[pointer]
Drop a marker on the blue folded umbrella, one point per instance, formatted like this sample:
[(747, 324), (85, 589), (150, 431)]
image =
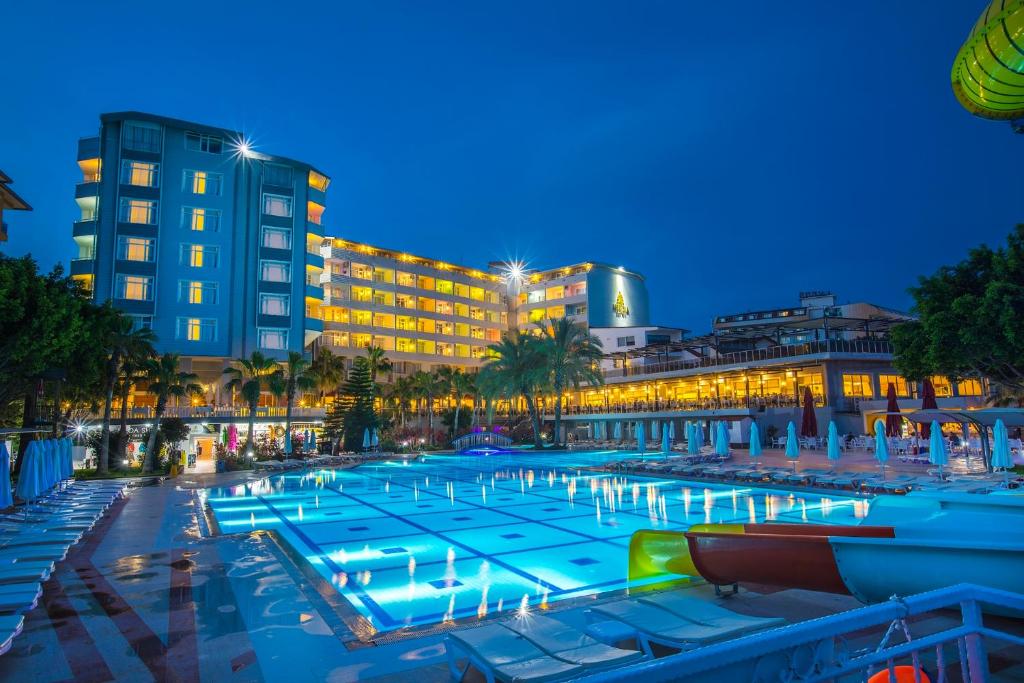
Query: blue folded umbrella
[(6, 499)]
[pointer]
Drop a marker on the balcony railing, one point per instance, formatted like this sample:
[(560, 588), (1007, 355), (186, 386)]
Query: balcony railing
[(755, 403), (215, 412), (866, 346)]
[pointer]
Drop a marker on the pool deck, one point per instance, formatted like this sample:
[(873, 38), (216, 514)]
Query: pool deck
[(148, 596)]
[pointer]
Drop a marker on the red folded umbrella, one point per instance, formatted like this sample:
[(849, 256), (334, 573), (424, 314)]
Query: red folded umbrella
[(892, 410), (927, 403), (809, 424)]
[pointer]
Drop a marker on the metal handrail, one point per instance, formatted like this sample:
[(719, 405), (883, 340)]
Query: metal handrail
[(822, 641)]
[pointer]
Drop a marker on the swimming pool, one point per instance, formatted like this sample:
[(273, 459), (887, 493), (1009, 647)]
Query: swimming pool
[(419, 543)]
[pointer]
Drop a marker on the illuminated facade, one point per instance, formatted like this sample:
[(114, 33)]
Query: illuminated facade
[(212, 245), (426, 313)]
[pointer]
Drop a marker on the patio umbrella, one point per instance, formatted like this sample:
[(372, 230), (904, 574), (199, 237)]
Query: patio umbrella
[(792, 444), (692, 447), (618, 431), (1001, 457), (666, 441), (881, 445), (755, 441), (809, 422), (6, 499), (698, 434), (366, 439), (288, 442), (655, 430), (312, 440), (672, 429), (722, 440), (713, 433), (641, 437), (595, 430), (892, 413), (927, 403), (833, 442), (375, 438), (67, 469), (305, 439), (937, 447), (30, 479), (49, 463)]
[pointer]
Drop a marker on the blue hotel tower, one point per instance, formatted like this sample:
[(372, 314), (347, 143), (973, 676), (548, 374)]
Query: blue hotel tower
[(214, 246)]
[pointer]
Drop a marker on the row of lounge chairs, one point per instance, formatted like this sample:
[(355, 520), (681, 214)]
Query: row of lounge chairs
[(33, 540), (534, 648), (868, 482)]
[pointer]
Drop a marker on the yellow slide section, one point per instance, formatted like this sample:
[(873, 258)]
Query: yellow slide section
[(666, 554), (988, 74)]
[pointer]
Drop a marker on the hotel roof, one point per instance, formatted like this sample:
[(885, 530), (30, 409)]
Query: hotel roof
[(403, 257)]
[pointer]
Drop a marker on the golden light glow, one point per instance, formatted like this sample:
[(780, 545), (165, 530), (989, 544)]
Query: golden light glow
[(318, 181), (90, 170)]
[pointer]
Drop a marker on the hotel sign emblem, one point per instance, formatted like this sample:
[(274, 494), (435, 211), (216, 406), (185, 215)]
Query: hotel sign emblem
[(619, 308)]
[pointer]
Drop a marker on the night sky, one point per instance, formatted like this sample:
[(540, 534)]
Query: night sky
[(733, 152)]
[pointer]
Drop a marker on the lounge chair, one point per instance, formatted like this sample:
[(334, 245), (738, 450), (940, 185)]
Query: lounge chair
[(659, 626), (708, 613), (18, 598), (500, 654), (568, 644), (10, 628)]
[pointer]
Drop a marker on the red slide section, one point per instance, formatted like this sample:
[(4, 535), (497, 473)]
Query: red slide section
[(784, 555)]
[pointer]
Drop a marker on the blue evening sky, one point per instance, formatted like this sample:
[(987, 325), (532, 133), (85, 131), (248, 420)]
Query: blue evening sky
[(733, 152)]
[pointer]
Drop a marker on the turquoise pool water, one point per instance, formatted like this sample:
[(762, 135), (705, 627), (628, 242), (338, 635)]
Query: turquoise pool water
[(422, 542)]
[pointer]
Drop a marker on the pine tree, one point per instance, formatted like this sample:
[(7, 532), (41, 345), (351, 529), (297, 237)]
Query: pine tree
[(353, 413)]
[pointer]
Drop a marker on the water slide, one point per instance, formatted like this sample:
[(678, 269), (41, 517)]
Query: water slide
[(904, 545), (988, 73)]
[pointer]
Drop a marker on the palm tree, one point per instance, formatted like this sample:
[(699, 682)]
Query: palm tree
[(165, 379), (572, 356), (459, 385), (401, 393), (122, 341), (378, 361), (327, 371), (427, 386), (133, 371), (295, 376), (251, 376), (518, 364)]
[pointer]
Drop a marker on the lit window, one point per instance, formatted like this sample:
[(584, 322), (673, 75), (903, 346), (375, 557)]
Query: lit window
[(361, 341), (404, 345), (202, 182), (140, 173), (273, 338), (444, 286), (968, 387), (361, 318), (406, 280), (135, 287), (902, 390), (197, 329), (277, 238), (199, 142), (199, 255), (200, 220), (138, 211), (857, 386), (134, 249), (275, 304), (141, 322), (277, 205), (144, 137), (942, 386), (318, 181), (314, 213), (197, 292), (275, 271)]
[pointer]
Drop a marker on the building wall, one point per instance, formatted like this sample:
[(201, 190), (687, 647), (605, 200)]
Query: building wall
[(215, 298)]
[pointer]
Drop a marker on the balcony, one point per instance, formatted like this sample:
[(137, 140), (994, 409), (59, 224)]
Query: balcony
[(857, 347), (87, 188), (88, 148), (84, 228), (315, 228), (313, 324), (314, 292), (82, 266), (315, 260)]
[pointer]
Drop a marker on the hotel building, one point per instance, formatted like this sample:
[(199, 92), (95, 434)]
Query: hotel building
[(756, 365), (9, 200), (427, 313), (212, 245)]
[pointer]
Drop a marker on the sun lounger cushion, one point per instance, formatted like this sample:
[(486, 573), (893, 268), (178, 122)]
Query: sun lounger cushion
[(10, 628), (569, 644), (704, 612), (510, 656), (661, 625)]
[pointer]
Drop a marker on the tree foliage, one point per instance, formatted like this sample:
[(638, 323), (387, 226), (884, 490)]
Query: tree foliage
[(969, 319), (353, 412), (517, 362)]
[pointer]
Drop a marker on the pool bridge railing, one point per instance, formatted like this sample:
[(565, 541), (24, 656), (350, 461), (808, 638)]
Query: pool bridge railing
[(477, 439)]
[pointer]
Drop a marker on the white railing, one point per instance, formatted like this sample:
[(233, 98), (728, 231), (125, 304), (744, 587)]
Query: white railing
[(481, 439), (818, 650), (212, 412)]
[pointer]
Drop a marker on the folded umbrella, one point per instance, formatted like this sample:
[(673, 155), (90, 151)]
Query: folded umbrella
[(6, 499), (881, 445), (755, 441)]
